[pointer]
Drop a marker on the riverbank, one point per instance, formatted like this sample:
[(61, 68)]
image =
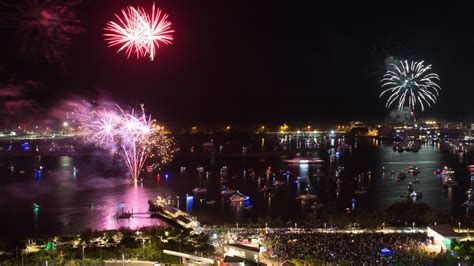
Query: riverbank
[(96, 247)]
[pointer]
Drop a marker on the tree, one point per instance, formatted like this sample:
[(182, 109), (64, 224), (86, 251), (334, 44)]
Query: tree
[(408, 212)]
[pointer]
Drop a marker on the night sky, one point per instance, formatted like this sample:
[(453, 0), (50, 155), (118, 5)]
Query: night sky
[(248, 62)]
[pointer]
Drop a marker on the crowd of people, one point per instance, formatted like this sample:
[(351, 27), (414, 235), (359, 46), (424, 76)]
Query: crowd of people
[(360, 248)]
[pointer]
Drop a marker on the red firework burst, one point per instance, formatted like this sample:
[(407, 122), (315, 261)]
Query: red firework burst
[(139, 32)]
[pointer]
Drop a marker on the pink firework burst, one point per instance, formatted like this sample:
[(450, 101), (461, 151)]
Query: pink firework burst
[(134, 133), (138, 32)]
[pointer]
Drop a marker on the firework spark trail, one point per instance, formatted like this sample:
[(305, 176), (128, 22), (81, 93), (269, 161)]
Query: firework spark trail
[(138, 32), (134, 132), (410, 82)]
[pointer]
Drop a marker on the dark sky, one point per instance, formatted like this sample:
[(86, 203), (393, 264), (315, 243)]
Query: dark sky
[(262, 61)]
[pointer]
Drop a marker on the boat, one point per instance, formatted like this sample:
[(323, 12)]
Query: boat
[(468, 204), (210, 202), (447, 171), (35, 205), (469, 193), (303, 161), (470, 168), (360, 191), (399, 147), (249, 207), (199, 190), (416, 181), (413, 170), (413, 195), (307, 197), (402, 175), (300, 179), (266, 189), (208, 146), (239, 197), (227, 192), (278, 183), (160, 207), (449, 182), (316, 206), (125, 215)]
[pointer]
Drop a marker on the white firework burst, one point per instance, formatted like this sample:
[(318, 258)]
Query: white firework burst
[(410, 83)]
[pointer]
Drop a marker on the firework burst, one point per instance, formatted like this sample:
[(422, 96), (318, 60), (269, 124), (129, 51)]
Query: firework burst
[(138, 32), (133, 132), (409, 83)]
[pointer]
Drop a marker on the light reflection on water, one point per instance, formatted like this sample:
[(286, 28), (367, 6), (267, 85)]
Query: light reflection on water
[(65, 196)]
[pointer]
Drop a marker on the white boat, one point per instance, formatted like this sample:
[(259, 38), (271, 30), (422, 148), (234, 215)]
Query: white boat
[(239, 197), (416, 195), (227, 192), (304, 161), (160, 207), (199, 190), (301, 179)]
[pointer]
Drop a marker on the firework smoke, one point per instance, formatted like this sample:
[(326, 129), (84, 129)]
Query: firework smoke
[(47, 27)]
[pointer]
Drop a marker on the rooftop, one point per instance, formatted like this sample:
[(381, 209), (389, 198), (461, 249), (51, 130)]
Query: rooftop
[(445, 230)]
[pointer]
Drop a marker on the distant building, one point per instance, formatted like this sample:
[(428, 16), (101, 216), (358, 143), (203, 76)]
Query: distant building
[(453, 131), (357, 129)]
